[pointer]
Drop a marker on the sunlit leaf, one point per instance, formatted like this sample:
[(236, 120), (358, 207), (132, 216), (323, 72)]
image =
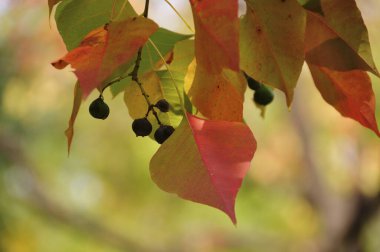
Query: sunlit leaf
[(76, 18), (272, 43), (105, 49), (217, 34), (210, 165)]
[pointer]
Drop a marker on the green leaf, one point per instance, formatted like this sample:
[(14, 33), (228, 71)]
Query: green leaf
[(76, 18), (272, 43), (165, 41)]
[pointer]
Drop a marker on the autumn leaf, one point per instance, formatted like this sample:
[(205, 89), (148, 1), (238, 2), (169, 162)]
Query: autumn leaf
[(272, 43), (104, 50), (325, 47), (218, 96), (76, 18), (217, 34), (69, 132), (210, 165), (350, 93), (216, 87), (344, 17)]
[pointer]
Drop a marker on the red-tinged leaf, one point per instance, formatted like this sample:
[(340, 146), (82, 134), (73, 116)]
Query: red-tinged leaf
[(210, 165), (345, 18), (324, 47), (69, 132), (217, 96), (51, 4), (272, 43), (103, 51), (350, 93), (217, 34)]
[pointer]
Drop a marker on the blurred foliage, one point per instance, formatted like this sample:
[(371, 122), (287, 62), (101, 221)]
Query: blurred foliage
[(106, 177)]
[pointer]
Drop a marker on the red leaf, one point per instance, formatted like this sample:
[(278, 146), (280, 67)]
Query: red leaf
[(348, 92), (104, 50), (217, 34), (210, 165)]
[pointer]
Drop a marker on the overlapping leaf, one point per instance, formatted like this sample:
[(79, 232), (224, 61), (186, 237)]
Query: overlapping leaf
[(217, 88), (348, 92), (272, 43), (76, 18), (217, 34), (325, 47), (106, 49), (51, 4), (210, 165)]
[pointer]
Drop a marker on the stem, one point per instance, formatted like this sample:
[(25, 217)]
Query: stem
[(135, 72)]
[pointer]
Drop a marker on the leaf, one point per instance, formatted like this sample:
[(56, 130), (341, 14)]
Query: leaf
[(69, 132), (344, 17), (325, 47), (183, 54), (272, 43), (135, 101), (165, 41), (217, 34), (210, 165), (218, 96), (104, 50), (51, 4), (76, 18), (350, 93), (314, 6)]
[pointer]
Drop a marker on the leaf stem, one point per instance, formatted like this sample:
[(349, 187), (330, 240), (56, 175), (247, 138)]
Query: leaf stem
[(135, 72)]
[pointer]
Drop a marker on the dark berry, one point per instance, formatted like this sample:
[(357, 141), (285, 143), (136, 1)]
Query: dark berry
[(162, 105), (263, 96), (99, 109), (163, 133), (252, 83), (142, 127)]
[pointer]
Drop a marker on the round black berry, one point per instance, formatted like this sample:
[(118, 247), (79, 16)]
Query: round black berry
[(162, 105), (252, 83), (263, 96), (163, 133), (99, 109), (142, 127)]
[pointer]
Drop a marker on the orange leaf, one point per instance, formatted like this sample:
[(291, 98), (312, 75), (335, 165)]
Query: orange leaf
[(210, 165), (217, 34), (104, 50), (350, 93), (218, 96)]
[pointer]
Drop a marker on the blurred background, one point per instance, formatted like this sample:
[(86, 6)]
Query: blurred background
[(313, 185)]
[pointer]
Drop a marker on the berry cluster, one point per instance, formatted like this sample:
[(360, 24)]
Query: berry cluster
[(141, 126), (263, 95)]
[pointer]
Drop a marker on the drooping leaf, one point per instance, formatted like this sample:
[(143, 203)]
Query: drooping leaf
[(350, 93), (210, 165), (165, 41), (217, 34), (325, 47), (106, 49), (76, 18), (344, 17), (272, 43), (69, 132), (217, 96)]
